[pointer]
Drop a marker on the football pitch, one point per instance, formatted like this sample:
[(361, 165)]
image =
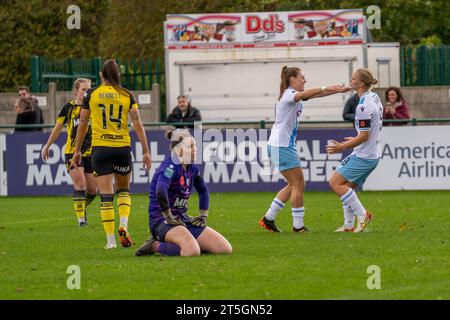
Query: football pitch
[(408, 240)]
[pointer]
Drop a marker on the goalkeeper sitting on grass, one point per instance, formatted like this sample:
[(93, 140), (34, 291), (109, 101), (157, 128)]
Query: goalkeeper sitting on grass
[(174, 233)]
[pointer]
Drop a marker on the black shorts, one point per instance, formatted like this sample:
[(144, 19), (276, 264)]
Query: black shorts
[(86, 163), (108, 160)]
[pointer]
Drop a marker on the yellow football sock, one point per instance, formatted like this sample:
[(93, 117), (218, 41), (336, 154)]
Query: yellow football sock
[(124, 205), (79, 203), (107, 213)]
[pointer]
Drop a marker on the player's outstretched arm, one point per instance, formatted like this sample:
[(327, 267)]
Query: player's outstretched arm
[(140, 132), (349, 143), (53, 136), (307, 94), (330, 90)]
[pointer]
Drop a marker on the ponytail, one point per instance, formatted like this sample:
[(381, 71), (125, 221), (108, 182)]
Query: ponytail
[(366, 77), (283, 84), (111, 74), (286, 74)]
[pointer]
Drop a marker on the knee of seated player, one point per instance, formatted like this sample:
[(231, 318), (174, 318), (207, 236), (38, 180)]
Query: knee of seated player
[(221, 247), (225, 248), (190, 249)]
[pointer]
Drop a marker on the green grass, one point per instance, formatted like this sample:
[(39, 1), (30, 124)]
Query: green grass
[(408, 239)]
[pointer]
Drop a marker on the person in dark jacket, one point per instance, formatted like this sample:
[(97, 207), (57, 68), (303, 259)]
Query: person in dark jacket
[(184, 112), (26, 113), (24, 92), (350, 107)]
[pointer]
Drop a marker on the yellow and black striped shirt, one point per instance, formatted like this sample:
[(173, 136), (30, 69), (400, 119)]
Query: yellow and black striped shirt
[(109, 116), (70, 116)]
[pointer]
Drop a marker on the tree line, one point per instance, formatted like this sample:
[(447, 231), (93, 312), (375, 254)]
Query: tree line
[(134, 28)]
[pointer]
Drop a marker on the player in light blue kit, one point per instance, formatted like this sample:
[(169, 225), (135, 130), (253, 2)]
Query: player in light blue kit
[(354, 170), (281, 145)]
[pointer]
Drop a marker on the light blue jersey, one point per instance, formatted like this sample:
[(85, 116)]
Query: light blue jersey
[(369, 117), (287, 113), (365, 157)]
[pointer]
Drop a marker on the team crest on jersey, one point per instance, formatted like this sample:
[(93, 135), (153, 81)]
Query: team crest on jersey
[(182, 180), (362, 108), (168, 173)]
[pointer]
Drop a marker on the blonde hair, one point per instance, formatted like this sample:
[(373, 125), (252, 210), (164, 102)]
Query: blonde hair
[(366, 77), (78, 82)]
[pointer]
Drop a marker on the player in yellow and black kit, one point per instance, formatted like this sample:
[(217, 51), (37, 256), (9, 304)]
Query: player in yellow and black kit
[(108, 106), (84, 184)]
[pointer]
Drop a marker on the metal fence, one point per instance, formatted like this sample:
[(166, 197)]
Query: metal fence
[(136, 74), (425, 66), (257, 124), (419, 66)]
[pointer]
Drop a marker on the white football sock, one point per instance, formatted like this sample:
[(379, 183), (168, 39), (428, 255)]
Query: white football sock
[(124, 221), (275, 207), (351, 199), (349, 217), (298, 215), (111, 238)]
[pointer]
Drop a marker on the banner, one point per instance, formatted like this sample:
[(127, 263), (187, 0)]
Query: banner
[(413, 158), (265, 29), (230, 160)]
